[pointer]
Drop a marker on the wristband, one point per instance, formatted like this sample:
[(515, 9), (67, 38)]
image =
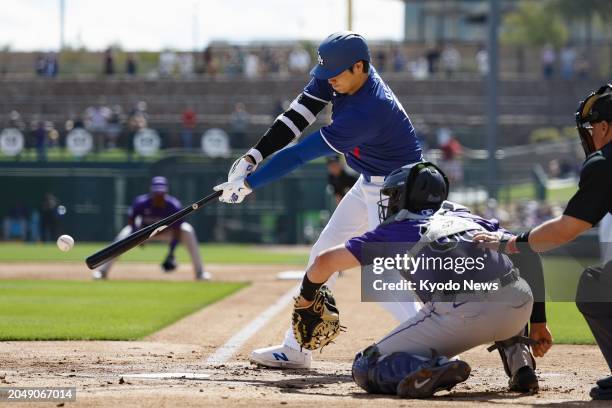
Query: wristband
[(309, 289), (523, 239), (255, 154)]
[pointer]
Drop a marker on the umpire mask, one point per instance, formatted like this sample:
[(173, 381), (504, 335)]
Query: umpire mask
[(591, 112), (419, 188)]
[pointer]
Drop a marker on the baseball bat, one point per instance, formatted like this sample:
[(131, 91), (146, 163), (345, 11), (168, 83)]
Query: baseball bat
[(136, 238)]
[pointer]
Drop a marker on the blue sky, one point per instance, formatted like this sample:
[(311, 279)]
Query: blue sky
[(156, 24)]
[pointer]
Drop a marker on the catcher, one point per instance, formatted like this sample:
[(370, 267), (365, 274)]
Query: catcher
[(149, 208), (412, 361)]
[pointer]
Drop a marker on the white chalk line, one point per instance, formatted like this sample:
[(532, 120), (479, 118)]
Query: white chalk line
[(231, 346)]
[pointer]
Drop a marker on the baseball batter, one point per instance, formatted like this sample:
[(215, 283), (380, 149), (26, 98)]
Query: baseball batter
[(149, 208), (413, 359), (370, 128)]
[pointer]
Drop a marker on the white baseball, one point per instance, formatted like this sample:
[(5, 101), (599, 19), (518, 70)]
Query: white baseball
[(65, 243)]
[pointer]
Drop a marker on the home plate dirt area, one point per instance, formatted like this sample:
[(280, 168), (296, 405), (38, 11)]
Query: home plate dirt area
[(202, 359)]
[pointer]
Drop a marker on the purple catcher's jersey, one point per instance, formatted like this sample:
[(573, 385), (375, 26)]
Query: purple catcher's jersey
[(488, 265), (143, 207), (370, 127)]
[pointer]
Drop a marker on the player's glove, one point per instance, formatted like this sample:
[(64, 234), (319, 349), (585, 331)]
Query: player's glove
[(233, 191), (169, 264), (318, 324)]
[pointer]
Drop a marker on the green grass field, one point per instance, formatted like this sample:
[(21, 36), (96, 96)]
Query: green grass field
[(154, 252), (72, 310)]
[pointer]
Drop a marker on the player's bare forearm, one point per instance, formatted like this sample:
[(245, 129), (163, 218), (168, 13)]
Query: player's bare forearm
[(556, 232), (332, 260)]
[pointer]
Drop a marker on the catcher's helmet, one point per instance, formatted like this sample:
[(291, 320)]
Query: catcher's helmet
[(595, 108), (419, 188), (338, 52)]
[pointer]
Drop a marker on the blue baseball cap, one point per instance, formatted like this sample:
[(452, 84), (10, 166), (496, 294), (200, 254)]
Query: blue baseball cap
[(338, 52)]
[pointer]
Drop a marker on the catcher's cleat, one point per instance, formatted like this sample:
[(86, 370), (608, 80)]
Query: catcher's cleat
[(524, 380), (600, 393), (281, 357), (428, 380), (98, 275)]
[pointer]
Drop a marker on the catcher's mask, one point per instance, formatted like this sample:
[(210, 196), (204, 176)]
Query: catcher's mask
[(419, 188), (589, 112)]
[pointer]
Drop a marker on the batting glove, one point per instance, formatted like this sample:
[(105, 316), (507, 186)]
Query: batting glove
[(233, 191), (243, 167)]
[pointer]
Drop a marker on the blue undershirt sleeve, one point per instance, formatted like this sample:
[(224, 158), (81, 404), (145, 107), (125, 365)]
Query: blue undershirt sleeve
[(288, 159)]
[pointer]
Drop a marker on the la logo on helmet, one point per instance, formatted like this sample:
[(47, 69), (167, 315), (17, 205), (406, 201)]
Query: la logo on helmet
[(320, 59)]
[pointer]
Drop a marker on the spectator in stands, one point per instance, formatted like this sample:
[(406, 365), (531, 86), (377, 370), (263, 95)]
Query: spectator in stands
[(167, 61), (381, 60), (114, 126), (568, 60), (548, 58), (251, 65), (299, 60), (96, 122), (40, 65), (109, 62), (399, 60), (40, 140), (451, 59), (583, 66), (131, 66), (137, 120), (451, 156), (432, 55), (239, 125), (49, 217), (339, 182), (15, 121), (188, 119), (186, 64), (52, 65), (15, 224), (482, 60)]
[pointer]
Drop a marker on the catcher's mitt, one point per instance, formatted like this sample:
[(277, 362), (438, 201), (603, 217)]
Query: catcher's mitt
[(317, 325)]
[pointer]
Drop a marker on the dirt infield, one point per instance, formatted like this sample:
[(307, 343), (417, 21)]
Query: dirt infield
[(101, 370)]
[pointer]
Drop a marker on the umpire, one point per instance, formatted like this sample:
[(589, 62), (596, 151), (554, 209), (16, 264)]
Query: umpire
[(586, 208)]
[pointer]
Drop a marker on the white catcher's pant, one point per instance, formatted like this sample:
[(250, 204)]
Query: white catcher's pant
[(356, 214), (188, 238)]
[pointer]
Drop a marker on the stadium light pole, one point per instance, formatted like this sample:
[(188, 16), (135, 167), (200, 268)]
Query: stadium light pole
[(492, 82), (349, 14), (62, 8)]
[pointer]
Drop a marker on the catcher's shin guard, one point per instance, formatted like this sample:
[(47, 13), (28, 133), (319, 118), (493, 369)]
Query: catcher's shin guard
[(381, 374)]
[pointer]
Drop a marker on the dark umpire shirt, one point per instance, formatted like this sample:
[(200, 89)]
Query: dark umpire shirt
[(341, 183), (593, 200)]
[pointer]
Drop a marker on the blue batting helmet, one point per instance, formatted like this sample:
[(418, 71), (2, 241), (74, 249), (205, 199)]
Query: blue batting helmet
[(338, 52)]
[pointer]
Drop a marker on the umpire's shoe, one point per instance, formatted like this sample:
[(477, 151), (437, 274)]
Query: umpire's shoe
[(603, 391), (428, 380), (524, 380), (281, 357)]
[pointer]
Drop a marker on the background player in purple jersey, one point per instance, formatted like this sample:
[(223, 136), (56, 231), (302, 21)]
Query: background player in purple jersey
[(149, 208), (412, 360), (369, 127)]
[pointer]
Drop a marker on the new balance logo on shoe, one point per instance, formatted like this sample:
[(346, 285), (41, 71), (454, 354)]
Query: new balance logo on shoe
[(280, 356)]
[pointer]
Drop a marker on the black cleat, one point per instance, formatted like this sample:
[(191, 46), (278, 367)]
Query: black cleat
[(427, 381), (524, 380), (599, 393)]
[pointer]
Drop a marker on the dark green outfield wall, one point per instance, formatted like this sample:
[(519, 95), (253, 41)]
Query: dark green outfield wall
[(97, 196)]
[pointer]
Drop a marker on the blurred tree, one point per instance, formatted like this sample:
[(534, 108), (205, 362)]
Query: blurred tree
[(532, 24), (535, 24)]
